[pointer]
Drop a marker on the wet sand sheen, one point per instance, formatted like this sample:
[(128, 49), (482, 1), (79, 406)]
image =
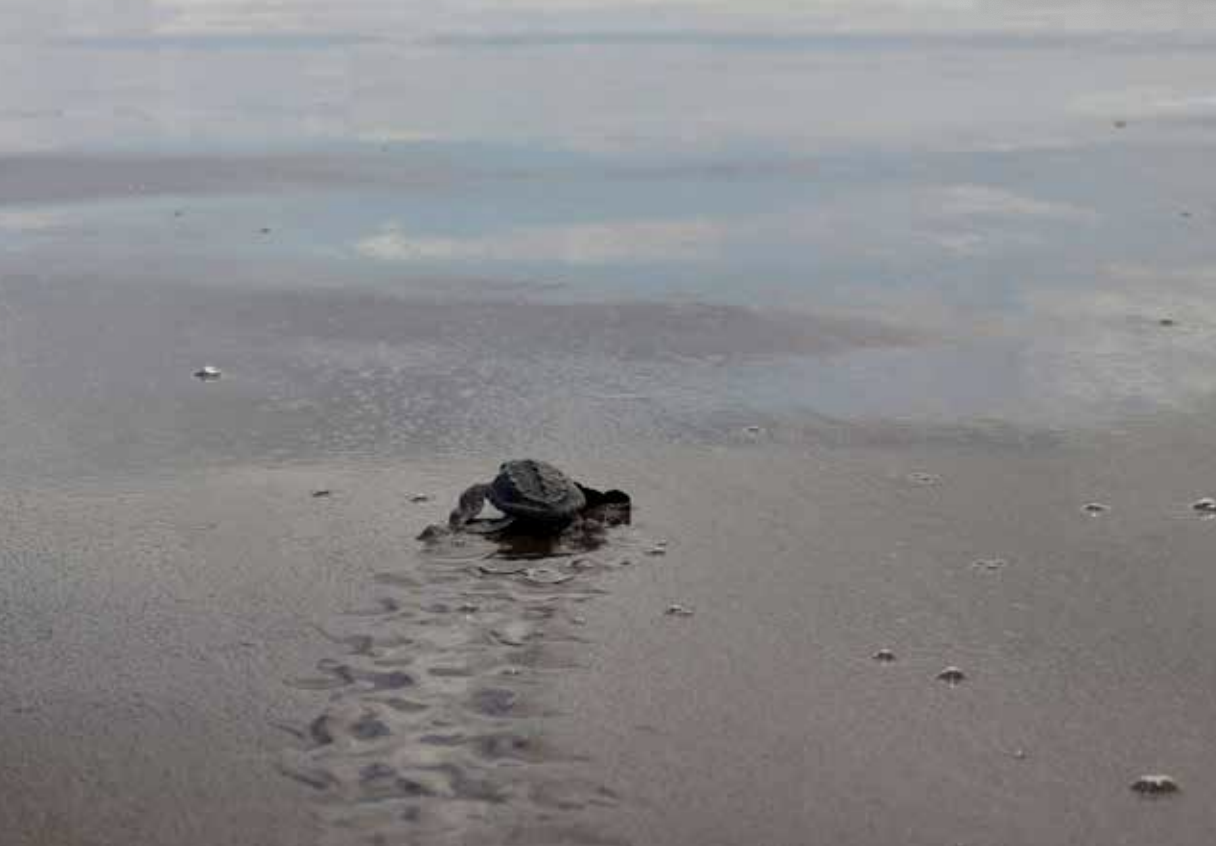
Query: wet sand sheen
[(450, 706), (901, 342)]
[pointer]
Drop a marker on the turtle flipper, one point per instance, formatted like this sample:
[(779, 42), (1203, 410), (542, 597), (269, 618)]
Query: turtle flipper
[(489, 527), (468, 506)]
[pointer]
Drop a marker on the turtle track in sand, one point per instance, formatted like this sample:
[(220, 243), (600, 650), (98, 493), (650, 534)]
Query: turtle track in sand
[(433, 731)]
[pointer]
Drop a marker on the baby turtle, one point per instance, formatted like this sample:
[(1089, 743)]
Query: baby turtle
[(207, 373), (1155, 784), (530, 493)]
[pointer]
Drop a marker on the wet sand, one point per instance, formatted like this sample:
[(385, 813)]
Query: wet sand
[(860, 368), (208, 651)]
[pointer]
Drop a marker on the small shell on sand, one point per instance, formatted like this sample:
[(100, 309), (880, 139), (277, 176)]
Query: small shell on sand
[(1095, 508), (1207, 505), (420, 498), (1155, 784), (677, 610), (951, 675), (208, 373), (884, 656)]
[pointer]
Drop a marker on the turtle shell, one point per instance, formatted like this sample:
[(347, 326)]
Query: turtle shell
[(533, 490)]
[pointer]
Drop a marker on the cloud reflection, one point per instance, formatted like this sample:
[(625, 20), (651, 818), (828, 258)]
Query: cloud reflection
[(578, 244)]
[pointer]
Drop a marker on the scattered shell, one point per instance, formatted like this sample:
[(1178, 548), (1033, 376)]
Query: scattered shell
[(657, 550), (951, 675), (885, 656), (420, 498), (1095, 508), (1155, 784), (207, 373), (1207, 505), (677, 610), (546, 576), (322, 492), (922, 478), (989, 564)]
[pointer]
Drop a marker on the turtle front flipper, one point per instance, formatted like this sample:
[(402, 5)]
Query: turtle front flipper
[(489, 527), (468, 506)]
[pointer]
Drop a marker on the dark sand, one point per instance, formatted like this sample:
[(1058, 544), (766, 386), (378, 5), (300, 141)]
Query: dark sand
[(860, 370)]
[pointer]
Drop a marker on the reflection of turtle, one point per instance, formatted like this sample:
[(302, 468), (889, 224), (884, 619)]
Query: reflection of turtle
[(530, 494)]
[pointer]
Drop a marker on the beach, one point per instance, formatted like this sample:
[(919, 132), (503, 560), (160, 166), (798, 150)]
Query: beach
[(896, 327)]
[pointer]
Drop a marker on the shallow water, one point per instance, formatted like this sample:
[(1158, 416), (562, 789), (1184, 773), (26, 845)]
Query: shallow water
[(848, 299)]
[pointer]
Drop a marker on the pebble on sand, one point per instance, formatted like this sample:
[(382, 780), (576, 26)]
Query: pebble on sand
[(1155, 784)]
